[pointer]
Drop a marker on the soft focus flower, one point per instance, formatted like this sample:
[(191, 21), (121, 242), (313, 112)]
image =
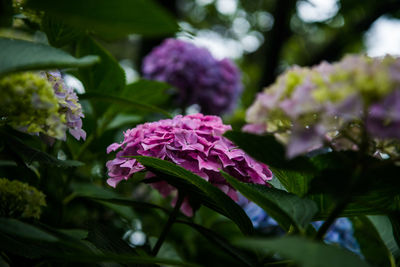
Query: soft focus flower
[(331, 102), (201, 79), (69, 105), (28, 104), (194, 142), (40, 103), (20, 200)]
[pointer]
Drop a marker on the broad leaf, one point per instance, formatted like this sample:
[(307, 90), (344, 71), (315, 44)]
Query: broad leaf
[(385, 230), (59, 33), (146, 91), (286, 208), (105, 77), (219, 241), (132, 104), (18, 55), (17, 228), (371, 244), (111, 18), (304, 252), (211, 195), (30, 154)]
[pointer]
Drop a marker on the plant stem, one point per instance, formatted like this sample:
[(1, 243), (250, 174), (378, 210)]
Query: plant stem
[(168, 225)]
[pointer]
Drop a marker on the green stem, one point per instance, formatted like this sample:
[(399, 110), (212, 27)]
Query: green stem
[(168, 225)]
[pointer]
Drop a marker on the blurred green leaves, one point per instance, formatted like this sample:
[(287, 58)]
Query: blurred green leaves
[(111, 19), (18, 55), (304, 252)]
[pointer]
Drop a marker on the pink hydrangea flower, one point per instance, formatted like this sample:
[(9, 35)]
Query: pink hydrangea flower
[(194, 142)]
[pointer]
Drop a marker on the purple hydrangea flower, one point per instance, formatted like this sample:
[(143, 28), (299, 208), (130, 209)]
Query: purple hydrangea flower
[(215, 85), (69, 105), (194, 142), (307, 107)]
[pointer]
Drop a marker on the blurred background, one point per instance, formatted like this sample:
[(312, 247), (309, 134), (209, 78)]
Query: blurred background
[(266, 37)]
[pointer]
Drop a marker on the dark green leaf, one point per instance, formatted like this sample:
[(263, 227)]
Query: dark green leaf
[(145, 91), (305, 252), (6, 16), (111, 18), (20, 229), (384, 228), (58, 33), (126, 102), (268, 150), (219, 241), (286, 208), (212, 196), (30, 154), (325, 204), (296, 182), (371, 244), (18, 55), (106, 77)]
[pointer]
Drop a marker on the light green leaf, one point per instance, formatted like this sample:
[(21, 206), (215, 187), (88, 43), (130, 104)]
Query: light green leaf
[(18, 55)]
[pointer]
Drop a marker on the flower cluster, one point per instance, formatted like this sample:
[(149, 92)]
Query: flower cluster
[(40, 103), (69, 105), (333, 103), (215, 85), (194, 142), (20, 200)]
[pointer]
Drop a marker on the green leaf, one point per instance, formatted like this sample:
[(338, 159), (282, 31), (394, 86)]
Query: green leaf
[(106, 77), (125, 102), (304, 252), (219, 241), (211, 195), (58, 33), (286, 208), (146, 91), (30, 154), (296, 182), (384, 228), (371, 244), (20, 229), (325, 203), (18, 55), (111, 19)]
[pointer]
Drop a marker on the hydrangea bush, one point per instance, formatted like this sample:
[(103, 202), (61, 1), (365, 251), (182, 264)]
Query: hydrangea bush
[(215, 85), (312, 180), (40, 103), (338, 103)]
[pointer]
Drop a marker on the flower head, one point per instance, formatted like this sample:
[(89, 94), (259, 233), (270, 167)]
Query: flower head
[(194, 142), (20, 200), (201, 79), (324, 103), (40, 103)]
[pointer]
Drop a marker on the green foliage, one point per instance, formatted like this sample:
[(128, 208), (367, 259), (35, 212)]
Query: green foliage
[(17, 55), (304, 252), (111, 19), (287, 209)]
